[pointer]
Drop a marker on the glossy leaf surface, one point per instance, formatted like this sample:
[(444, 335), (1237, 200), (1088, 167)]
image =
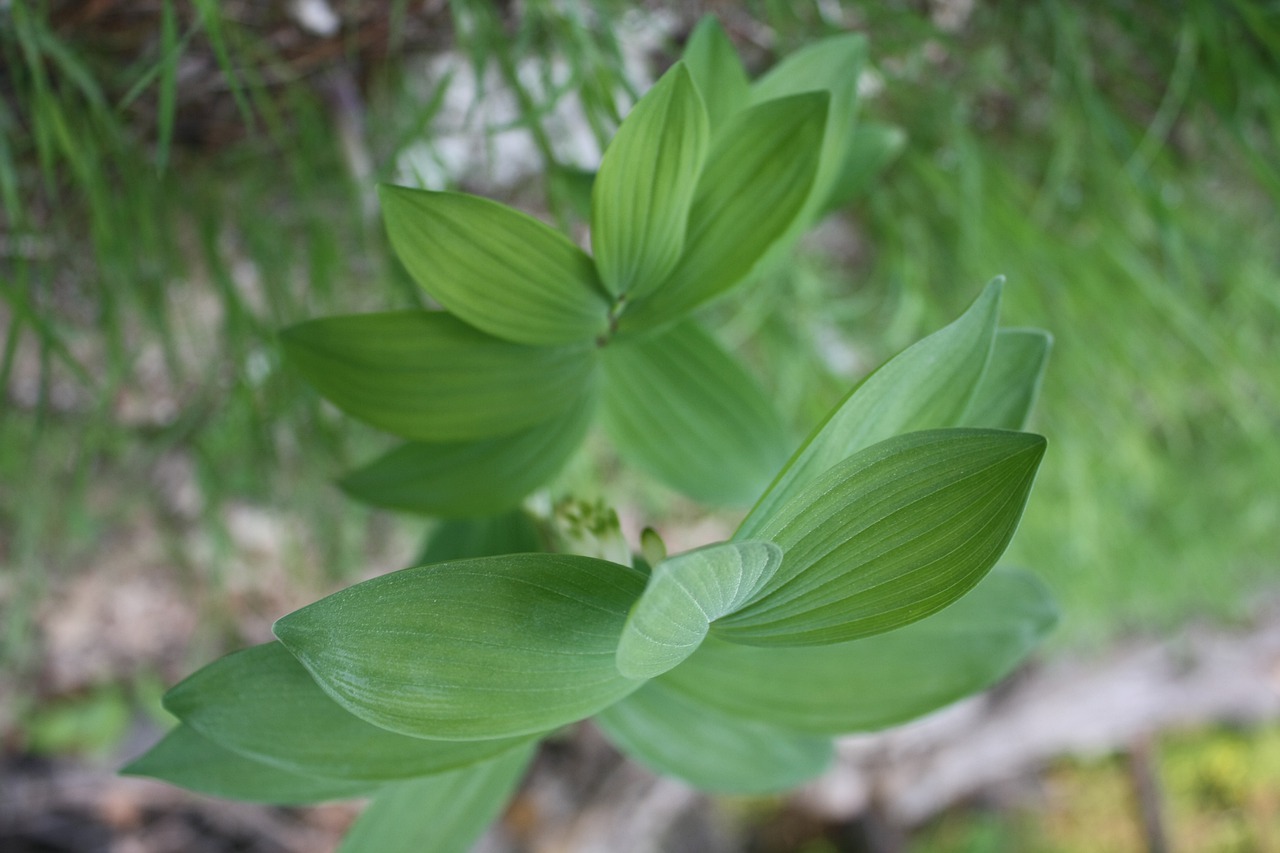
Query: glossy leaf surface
[(428, 376), (926, 386), (682, 409), (483, 648), (642, 194), (471, 478), (496, 268), (753, 186), (895, 533), (190, 760), (669, 732), (262, 703), (437, 814), (882, 680), (1008, 390), (717, 71), (686, 593)]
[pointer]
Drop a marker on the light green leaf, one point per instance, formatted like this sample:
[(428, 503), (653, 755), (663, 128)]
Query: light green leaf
[(261, 703), (496, 268), (190, 760), (682, 409), (896, 532), (686, 593), (717, 71), (484, 648), (514, 532), (1008, 390), (643, 192), (428, 376), (669, 732), (868, 151), (754, 184), (877, 681), (927, 385), (470, 478), (437, 814), (832, 65)]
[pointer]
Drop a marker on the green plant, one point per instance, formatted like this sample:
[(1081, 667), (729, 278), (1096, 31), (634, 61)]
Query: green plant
[(857, 592)]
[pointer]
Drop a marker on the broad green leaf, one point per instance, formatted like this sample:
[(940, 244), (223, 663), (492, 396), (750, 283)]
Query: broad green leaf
[(642, 194), (682, 409), (877, 681), (437, 814), (1008, 390), (190, 760), (753, 186), (484, 648), (672, 733), (717, 71), (868, 151), (471, 478), (514, 532), (832, 65), (261, 703), (894, 533), (686, 593), (927, 385), (428, 376), (496, 268)]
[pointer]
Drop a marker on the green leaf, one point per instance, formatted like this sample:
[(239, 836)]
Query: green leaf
[(437, 814), (496, 268), (428, 376), (261, 703), (686, 593), (898, 531), (470, 478), (832, 65), (752, 188), (671, 733), (682, 409), (927, 385), (484, 648), (643, 192), (190, 760), (514, 532), (869, 149), (717, 71), (1008, 390), (877, 681)]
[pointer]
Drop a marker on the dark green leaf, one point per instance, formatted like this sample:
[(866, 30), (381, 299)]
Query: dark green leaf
[(832, 65), (496, 268), (717, 71), (188, 759), (680, 408), (469, 478), (261, 703), (672, 733), (514, 532), (437, 814), (868, 151), (643, 192), (877, 681), (428, 376), (1008, 390), (754, 185), (483, 648), (896, 532), (686, 593), (927, 385)]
